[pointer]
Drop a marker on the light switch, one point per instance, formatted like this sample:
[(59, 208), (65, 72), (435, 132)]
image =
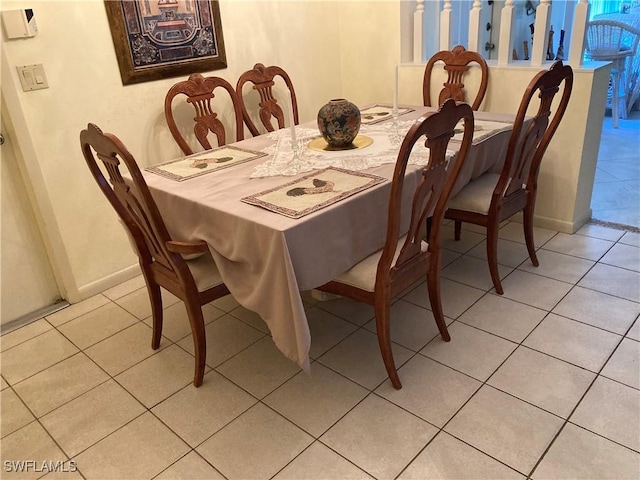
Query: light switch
[(32, 77)]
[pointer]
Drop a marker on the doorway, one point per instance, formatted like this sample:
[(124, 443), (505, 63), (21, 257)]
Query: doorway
[(27, 282)]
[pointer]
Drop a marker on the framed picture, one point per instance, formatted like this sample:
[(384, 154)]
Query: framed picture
[(156, 39)]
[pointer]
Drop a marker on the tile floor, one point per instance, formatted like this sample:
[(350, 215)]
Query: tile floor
[(616, 190), (540, 383)]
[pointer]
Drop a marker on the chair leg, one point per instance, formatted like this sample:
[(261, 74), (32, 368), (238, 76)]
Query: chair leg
[(615, 100), (384, 341), (194, 311), (528, 232), (435, 298), (492, 256), (155, 297), (457, 229)]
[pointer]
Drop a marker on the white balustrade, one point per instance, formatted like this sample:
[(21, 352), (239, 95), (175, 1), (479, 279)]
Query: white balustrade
[(578, 32), (474, 26), (445, 26), (418, 32), (506, 26)]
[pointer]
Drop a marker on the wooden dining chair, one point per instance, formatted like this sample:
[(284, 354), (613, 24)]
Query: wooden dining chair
[(492, 197), (456, 64), (162, 259), (263, 80), (409, 256), (200, 91)]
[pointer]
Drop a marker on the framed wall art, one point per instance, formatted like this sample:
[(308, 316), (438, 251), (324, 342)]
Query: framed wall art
[(156, 39)]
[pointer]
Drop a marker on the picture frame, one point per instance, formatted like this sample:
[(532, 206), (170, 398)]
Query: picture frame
[(157, 39)]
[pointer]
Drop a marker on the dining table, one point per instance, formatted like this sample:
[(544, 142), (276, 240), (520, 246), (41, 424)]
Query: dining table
[(280, 220)]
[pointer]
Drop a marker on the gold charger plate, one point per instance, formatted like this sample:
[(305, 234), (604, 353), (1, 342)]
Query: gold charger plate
[(320, 144)]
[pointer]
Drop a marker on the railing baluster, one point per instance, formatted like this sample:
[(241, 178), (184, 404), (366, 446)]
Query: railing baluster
[(418, 32), (474, 26), (445, 26), (540, 39), (506, 26), (576, 42)]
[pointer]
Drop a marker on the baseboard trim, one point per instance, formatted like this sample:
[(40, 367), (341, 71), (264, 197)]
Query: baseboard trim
[(112, 280)]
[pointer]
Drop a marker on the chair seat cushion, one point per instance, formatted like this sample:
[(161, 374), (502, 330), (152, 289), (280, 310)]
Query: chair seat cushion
[(476, 195), (204, 271), (363, 275)]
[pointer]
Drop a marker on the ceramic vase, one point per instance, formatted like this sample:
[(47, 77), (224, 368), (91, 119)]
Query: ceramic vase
[(339, 122)]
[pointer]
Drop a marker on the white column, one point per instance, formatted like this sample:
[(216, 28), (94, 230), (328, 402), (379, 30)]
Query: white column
[(578, 32), (418, 32), (506, 26), (445, 26), (474, 26), (540, 38)]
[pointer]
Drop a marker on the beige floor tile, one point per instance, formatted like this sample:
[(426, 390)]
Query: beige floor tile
[(35, 355), (612, 410), (514, 231), (197, 413), (125, 288), (60, 383), (251, 318), (456, 297), (226, 303), (558, 266), (85, 420), (191, 466), (379, 437), (30, 443), (175, 321), (137, 303), (470, 351), (350, 310), (510, 254), (23, 334), (468, 239), (411, 326), (574, 342), (598, 309), (67, 471), (430, 390), (75, 310), (581, 455), (581, 246), (97, 325), (473, 272), (448, 257), (315, 402), (448, 458), (614, 281), (634, 331), (226, 337), (124, 349), (159, 376), (624, 256), (271, 440), (535, 290), (544, 381), (631, 238), (13, 413), (598, 231), (624, 365), (141, 449), (505, 428), (358, 357), (260, 368), (319, 462), (503, 317), (3, 383), (326, 330)]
